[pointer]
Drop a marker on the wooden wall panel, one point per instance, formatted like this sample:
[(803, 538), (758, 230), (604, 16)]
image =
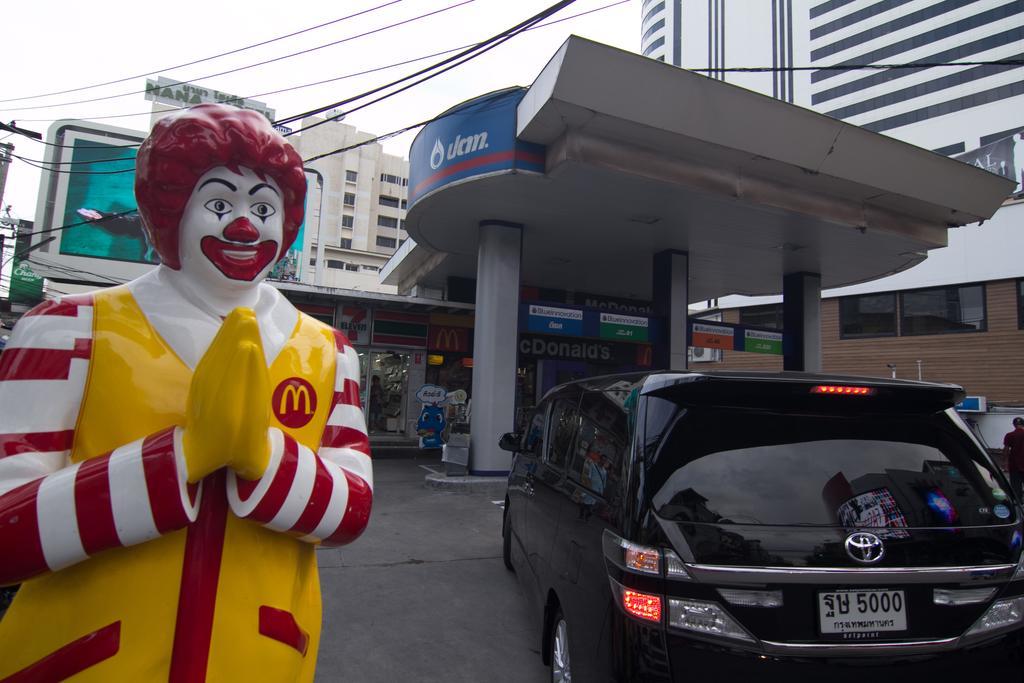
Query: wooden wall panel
[(989, 363)]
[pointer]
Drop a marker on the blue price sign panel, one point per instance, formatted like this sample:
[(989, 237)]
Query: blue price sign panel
[(551, 320)]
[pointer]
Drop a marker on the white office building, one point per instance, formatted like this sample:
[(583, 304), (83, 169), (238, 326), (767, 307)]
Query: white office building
[(949, 109), (361, 210)]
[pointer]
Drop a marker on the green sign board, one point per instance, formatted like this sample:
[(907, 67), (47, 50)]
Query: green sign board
[(26, 286), (623, 327), (757, 341)]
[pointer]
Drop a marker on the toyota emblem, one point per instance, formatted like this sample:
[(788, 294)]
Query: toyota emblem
[(864, 547)]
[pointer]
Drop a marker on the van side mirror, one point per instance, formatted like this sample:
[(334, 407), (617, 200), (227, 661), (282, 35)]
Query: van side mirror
[(510, 441)]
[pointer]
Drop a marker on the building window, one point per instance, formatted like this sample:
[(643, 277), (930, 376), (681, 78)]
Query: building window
[(654, 46), (347, 221), (352, 266), (769, 316), (351, 176), (405, 204), (393, 179), (345, 243), (385, 200), (312, 261), (1020, 304), (655, 27), (374, 269), (387, 221), (350, 199), (331, 263), (943, 309), (401, 224), (869, 315), (388, 242)]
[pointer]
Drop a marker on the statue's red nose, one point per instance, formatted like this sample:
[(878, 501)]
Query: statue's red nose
[(241, 230)]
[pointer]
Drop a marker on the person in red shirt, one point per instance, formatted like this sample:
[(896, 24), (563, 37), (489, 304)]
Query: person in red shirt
[(1013, 449)]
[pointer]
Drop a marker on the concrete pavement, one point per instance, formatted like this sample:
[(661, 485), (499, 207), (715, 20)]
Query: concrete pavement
[(423, 594)]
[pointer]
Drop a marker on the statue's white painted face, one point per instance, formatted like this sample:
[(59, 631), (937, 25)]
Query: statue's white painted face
[(231, 229)]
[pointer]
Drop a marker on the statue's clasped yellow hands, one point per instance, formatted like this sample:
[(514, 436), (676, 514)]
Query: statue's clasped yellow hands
[(228, 411)]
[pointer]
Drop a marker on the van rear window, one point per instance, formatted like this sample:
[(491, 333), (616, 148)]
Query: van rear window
[(730, 466)]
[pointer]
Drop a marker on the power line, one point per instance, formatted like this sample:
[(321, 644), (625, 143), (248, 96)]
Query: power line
[(127, 212), (477, 108), (328, 80), (448, 64), (505, 35), (857, 67), (251, 66), (100, 146), (205, 59), (30, 162), (70, 270), (84, 161)]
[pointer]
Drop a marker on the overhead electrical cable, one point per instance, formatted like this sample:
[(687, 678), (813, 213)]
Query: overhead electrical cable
[(331, 80), (205, 59), (859, 67), (478, 106), (429, 72), (118, 214), (66, 270), (71, 270), (34, 164), (738, 69), (336, 78), (251, 66)]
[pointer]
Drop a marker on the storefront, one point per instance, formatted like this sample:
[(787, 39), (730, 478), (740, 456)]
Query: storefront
[(565, 336), (400, 351)]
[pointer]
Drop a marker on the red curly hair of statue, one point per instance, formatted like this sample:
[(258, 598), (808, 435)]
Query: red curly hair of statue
[(182, 147)]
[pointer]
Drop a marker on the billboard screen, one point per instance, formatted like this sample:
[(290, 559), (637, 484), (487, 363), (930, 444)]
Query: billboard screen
[(102, 190)]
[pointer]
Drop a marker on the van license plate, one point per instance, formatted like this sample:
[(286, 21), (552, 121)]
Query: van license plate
[(862, 611)]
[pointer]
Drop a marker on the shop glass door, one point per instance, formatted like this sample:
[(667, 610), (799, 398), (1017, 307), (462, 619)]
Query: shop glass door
[(386, 383)]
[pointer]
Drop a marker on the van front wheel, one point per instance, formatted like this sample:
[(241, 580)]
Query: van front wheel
[(561, 671)]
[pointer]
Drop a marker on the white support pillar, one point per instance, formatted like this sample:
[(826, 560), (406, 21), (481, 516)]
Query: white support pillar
[(670, 298), (495, 345), (801, 322)]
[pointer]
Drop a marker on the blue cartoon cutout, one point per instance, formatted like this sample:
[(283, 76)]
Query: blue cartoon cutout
[(431, 423)]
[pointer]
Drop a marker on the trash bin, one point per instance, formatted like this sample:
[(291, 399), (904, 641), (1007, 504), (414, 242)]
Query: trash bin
[(455, 455)]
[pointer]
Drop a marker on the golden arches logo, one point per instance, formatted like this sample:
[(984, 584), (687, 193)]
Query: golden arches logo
[(294, 402), (447, 339)]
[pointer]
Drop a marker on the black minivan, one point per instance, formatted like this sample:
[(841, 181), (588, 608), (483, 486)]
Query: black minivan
[(712, 526)]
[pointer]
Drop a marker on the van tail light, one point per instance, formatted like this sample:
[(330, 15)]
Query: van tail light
[(643, 606), (629, 556), (842, 390)]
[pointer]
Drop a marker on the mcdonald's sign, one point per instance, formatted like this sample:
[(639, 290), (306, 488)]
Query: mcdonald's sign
[(294, 402), (450, 339)]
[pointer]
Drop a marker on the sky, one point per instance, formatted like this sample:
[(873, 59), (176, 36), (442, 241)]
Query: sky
[(54, 46)]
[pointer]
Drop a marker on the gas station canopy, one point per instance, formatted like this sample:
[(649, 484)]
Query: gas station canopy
[(640, 157)]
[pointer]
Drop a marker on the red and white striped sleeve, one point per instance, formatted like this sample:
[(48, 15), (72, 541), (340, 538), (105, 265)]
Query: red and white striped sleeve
[(321, 497), (53, 514)]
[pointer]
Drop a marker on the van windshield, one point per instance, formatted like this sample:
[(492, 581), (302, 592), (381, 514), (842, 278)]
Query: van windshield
[(727, 466)]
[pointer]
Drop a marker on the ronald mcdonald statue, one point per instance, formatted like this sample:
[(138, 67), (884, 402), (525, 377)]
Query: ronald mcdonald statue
[(173, 450)]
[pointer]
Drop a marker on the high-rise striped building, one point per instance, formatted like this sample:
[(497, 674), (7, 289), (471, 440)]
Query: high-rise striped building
[(945, 108)]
